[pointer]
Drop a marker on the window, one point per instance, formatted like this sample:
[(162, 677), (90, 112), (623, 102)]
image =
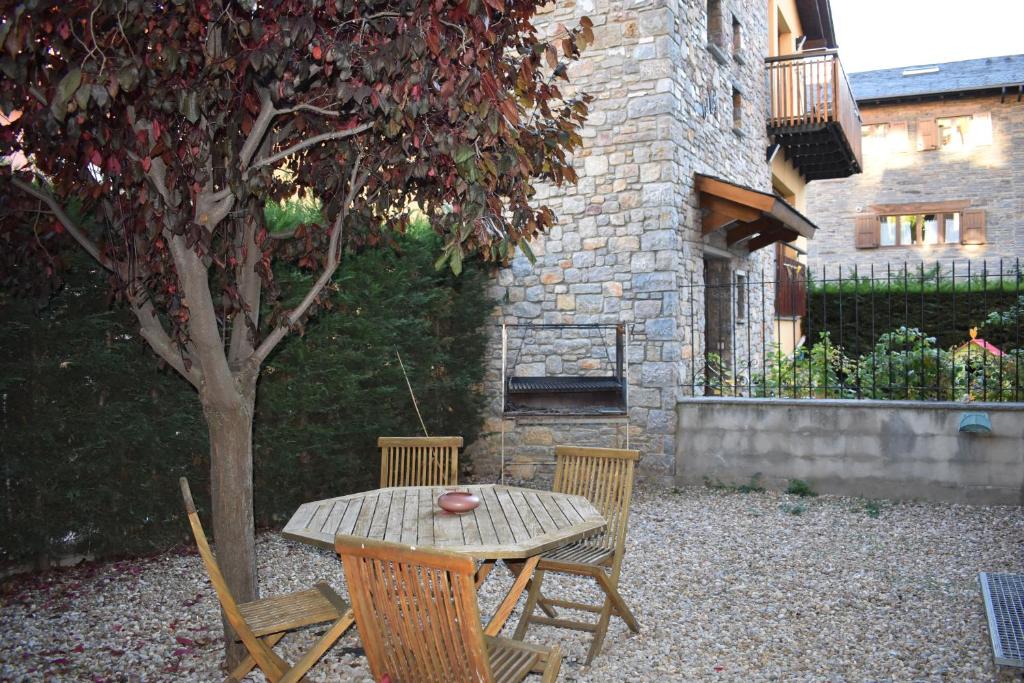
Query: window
[(737, 111), (955, 132), (921, 225), (737, 39), (716, 31), (740, 300)]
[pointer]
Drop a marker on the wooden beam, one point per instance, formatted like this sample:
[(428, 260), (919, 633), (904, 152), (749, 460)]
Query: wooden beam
[(740, 212), (714, 221), (744, 230), (735, 193), (764, 239)]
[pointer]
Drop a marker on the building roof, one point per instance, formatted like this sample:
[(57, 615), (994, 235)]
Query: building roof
[(938, 80)]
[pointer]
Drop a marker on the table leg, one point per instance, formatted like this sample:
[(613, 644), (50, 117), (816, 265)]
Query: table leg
[(509, 603), (481, 573)]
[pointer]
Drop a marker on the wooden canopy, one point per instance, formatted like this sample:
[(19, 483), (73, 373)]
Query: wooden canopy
[(746, 214)]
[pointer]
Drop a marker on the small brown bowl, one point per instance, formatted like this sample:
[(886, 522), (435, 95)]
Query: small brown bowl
[(458, 502)]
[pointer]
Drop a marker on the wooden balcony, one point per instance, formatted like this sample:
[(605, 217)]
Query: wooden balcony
[(812, 114)]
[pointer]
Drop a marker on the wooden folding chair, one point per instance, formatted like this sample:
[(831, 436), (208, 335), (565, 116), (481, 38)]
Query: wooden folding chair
[(419, 460), (418, 619), (604, 476), (260, 624)]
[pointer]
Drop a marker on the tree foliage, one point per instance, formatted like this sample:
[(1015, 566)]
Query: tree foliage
[(173, 124)]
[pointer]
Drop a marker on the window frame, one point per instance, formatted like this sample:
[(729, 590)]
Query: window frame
[(918, 229), (740, 304)]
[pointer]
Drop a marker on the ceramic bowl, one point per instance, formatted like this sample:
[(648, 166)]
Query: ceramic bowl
[(458, 501)]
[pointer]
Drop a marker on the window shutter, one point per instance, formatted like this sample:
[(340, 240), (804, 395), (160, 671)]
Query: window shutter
[(927, 135), (866, 232), (972, 227), (981, 129), (897, 138)]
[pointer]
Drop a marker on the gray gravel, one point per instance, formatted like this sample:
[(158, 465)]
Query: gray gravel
[(727, 586)]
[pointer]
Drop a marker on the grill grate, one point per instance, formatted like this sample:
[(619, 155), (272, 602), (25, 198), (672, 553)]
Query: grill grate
[(1004, 605), (518, 385)]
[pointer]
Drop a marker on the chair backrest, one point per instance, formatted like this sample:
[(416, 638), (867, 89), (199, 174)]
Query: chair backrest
[(419, 460), (604, 476), (416, 611), (269, 662)]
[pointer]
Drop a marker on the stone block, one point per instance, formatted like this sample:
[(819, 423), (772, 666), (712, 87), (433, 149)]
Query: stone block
[(566, 302), (535, 293), (654, 282), (613, 288), (596, 165), (526, 309), (650, 105), (589, 303), (654, 240), (538, 436), (661, 328), (550, 276), (658, 374)]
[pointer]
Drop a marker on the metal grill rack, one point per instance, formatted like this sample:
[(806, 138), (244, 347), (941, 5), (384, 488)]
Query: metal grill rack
[(1004, 606)]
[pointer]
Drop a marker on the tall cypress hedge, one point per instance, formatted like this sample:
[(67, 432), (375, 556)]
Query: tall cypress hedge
[(856, 314), (93, 436)]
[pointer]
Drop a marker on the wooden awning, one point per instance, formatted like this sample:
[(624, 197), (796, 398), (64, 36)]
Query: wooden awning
[(745, 214)]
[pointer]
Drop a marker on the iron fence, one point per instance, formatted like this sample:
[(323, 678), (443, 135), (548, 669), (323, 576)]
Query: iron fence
[(948, 331)]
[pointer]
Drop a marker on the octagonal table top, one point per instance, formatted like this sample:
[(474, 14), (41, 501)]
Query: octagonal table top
[(510, 523)]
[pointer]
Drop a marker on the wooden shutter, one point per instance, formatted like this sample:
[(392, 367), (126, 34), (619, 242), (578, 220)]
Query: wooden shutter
[(972, 227), (865, 233), (927, 135), (981, 129)]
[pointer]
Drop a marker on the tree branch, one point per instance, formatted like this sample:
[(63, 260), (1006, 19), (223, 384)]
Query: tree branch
[(356, 181), (153, 332), (77, 233), (309, 107), (250, 288), (315, 140), (259, 129)]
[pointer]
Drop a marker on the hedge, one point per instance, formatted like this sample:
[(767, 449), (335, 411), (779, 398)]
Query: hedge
[(854, 316), (94, 435)]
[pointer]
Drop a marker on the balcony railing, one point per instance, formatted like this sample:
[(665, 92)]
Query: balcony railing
[(813, 114)]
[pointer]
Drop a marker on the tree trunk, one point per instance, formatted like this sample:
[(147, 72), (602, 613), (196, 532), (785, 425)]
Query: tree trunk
[(231, 489)]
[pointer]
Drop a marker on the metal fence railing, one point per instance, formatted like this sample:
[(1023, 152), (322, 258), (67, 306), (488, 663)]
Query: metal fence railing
[(950, 331)]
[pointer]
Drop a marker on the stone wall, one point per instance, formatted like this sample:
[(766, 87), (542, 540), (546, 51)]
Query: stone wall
[(628, 243), (875, 449), (991, 177)]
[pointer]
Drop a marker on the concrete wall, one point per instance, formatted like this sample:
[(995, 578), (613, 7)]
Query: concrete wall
[(875, 449)]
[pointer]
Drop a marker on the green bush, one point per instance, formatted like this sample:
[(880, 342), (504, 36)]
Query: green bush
[(855, 313), (93, 436)]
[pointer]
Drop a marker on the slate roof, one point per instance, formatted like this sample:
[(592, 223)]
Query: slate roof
[(951, 77)]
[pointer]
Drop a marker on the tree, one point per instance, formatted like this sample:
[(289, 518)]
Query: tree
[(168, 126)]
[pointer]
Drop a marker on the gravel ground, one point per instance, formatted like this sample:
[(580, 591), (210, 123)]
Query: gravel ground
[(726, 586)]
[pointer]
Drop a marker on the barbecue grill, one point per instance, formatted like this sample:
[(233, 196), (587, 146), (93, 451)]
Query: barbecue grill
[(572, 395)]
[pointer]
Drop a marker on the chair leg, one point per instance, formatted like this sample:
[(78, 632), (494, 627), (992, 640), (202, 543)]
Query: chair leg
[(531, 603), (515, 568), (552, 666), (323, 645), (620, 605), (482, 571), (248, 664), (600, 631)]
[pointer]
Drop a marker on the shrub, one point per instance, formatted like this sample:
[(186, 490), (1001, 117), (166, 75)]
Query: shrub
[(91, 455)]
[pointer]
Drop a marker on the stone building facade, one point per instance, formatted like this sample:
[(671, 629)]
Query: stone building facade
[(672, 99), (932, 158)]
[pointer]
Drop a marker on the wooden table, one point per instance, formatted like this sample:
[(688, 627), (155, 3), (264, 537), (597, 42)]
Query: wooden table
[(512, 524)]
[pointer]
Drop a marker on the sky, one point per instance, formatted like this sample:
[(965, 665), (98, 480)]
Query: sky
[(882, 34)]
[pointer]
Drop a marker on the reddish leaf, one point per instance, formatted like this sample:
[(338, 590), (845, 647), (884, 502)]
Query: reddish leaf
[(147, 163)]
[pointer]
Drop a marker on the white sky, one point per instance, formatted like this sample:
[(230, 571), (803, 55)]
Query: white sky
[(881, 34)]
